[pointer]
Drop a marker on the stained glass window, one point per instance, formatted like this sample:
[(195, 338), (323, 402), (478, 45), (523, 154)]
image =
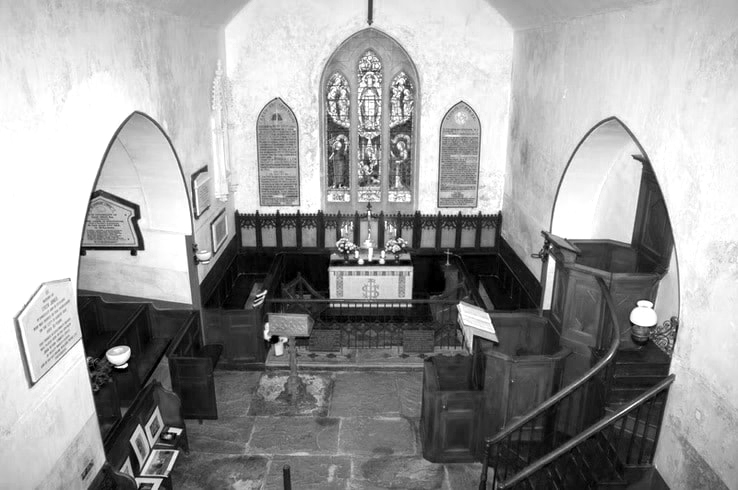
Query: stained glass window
[(338, 142), (402, 103), (370, 99), (369, 153)]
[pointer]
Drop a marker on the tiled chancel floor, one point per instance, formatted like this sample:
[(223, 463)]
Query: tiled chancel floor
[(360, 431)]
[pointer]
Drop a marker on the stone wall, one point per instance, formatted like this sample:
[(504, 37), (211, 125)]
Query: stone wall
[(71, 73), (668, 71), (278, 48)]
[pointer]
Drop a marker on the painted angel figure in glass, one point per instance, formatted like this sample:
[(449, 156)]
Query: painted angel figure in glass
[(337, 159), (400, 160)]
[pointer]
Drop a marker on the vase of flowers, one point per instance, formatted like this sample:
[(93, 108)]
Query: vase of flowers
[(396, 246), (345, 247), (99, 371)]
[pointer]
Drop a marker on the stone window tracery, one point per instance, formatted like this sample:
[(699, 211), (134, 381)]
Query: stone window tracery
[(369, 128)]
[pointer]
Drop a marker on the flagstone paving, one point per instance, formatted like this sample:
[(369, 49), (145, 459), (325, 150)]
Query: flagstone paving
[(358, 430)]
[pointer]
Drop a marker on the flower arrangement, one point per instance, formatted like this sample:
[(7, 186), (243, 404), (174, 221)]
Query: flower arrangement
[(99, 370), (345, 246), (396, 245)]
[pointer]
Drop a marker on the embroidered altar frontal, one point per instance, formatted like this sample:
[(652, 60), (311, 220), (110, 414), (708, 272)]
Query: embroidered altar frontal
[(371, 282)]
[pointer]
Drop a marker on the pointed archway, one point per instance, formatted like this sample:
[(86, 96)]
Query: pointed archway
[(141, 166), (602, 195)]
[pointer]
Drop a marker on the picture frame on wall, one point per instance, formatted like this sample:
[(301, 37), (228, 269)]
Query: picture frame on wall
[(148, 483), (140, 445), (219, 231), (154, 427), (200, 191), (127, 468)]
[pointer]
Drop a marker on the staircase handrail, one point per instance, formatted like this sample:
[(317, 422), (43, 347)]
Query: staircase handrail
[(562, 393), (587, 433)]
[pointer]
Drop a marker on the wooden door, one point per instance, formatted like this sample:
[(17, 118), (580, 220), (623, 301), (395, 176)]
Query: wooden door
[(652, 235), (192, 380), (457, 428)]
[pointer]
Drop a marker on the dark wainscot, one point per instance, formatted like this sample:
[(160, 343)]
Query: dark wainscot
[(229, 317), (118, 447), (191, 365)]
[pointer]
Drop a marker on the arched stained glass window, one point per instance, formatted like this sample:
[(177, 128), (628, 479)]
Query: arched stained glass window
[(370, 108), (338, 144), (370, 127), (402, 103)]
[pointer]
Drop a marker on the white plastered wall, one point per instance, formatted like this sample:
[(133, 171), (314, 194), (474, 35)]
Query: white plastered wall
[(278, 48), (71, 74)]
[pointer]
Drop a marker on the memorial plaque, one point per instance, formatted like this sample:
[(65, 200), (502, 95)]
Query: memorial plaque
[(418, 340), (277, 146), (48, 326), (325, 341), (458, 169), (112, 224), (201, 191)]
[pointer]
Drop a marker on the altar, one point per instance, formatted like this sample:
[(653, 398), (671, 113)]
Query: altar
[(371, 280)]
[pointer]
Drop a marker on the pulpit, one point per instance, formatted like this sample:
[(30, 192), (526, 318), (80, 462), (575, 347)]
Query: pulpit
[(392, 280)]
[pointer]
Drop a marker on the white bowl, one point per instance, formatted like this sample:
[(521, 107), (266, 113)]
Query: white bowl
[(119, 355)]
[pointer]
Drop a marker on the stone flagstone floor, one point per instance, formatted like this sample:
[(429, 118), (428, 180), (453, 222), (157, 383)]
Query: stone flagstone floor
[(359, 431)]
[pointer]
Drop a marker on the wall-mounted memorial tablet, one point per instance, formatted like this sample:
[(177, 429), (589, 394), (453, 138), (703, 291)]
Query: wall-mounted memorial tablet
[(200, 191), (219, 231), (112, 224), (48, 327), (277, 147), (458, 169)]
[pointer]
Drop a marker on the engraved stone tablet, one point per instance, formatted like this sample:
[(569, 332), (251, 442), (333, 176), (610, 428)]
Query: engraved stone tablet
[(112, 224), (48, 326), (277, 146), (325, 341), (458, 170), (417, 340)]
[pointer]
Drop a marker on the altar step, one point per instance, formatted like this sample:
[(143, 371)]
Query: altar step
[(390, 359)]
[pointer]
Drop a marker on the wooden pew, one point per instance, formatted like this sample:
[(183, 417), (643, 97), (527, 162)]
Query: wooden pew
[(191, 365)]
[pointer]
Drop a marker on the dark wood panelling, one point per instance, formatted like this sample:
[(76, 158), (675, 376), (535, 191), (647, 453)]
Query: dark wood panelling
[(652, 234)]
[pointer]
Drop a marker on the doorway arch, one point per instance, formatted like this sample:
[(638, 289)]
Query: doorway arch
[(598, 198), (141, 165)]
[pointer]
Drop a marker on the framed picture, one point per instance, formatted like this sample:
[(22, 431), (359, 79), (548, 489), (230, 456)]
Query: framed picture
[(160, 463), (127, 468), (200, 191), (219, 231), (140, 445), (147, 483), (154, 427)]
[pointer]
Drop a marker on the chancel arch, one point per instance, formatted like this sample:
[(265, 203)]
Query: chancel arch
[(369, 115)]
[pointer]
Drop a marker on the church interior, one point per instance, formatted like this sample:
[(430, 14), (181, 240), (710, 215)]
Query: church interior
[(370, 244)]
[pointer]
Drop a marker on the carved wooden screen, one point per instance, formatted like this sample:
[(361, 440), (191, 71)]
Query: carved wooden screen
[(369, 93)]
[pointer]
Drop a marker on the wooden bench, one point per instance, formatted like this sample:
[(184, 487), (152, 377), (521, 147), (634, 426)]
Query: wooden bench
[(228, 313), (118, 447), (148, 332), (191, 365)]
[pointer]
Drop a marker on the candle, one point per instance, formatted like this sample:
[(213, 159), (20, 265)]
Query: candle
[(381, 254), (356, 254)]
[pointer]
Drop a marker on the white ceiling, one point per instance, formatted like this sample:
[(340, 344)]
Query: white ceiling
[(208, 12), (521, 14), (524, 14)]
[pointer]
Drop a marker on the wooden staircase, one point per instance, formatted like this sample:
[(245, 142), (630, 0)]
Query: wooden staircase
[(598, 432), (634, 371)]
